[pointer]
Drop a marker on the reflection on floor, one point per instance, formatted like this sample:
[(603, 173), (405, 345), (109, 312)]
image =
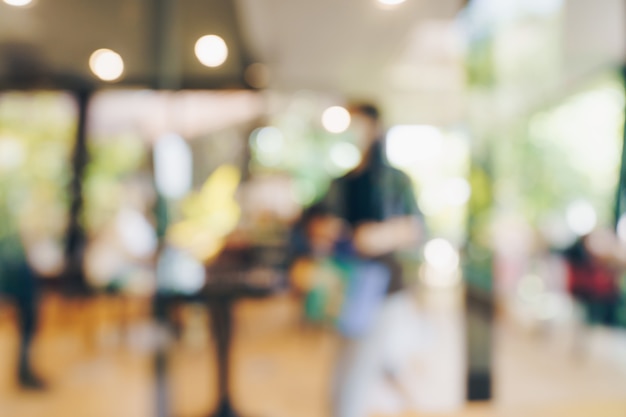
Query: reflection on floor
[(97, 358)]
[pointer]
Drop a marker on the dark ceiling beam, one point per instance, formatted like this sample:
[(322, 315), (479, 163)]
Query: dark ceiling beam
[(164, 40), (22, 66), (245, 54)]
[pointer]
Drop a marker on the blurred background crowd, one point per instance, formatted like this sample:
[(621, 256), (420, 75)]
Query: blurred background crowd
[(312, 208)]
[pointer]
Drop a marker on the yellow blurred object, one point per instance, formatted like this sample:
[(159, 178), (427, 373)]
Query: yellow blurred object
[(302, 279), (209, 215)]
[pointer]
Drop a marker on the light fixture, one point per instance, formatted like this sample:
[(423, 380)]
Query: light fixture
[(336, 119), (211, 51), (18, 3), (106, 64), (390, 3)]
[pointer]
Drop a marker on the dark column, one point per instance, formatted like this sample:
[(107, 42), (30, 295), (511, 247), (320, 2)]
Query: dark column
[(75, 238), (221, 322), (620, 198), (166, 45), (478, 274)]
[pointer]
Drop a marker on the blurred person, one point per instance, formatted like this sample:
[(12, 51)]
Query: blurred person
[(120, 250), (593, 262), (367, 216), (315, 277), (376, 200), (19, 282)]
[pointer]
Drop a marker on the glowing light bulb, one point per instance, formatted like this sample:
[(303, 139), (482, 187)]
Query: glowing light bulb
[(336, 119), (389, 3), (211, 51), (18, 3), (106, 64)]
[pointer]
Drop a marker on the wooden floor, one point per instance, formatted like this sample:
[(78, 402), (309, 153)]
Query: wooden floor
[(98, 361)]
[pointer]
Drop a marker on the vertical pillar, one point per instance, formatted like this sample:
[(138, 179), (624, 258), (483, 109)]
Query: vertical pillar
[(75, 238), (620, 198), (478, 256), (166, 63), (478, 265), (166, 44)]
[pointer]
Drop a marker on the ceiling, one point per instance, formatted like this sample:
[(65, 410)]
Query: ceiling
[(323, 44), (345, 46), (408, 57), (404, 56), (49, 42)]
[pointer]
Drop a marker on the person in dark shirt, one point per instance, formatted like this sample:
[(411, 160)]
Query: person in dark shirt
[(376, 200), (18, 282), (376, 205), (592, 276)]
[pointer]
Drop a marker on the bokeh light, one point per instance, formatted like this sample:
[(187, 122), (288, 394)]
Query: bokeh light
[(268, 143), (410, 144), (457, 191), (269, 139), (433, 278), (441, 255), (136, 233), (388, 3), (179, 272), (530, 288), (18, 3), (303, 191), (211, 51), (336, 119), (172, 166), (345, 155), (581, 217), (441, 269), (106, 64), (12, 153)]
